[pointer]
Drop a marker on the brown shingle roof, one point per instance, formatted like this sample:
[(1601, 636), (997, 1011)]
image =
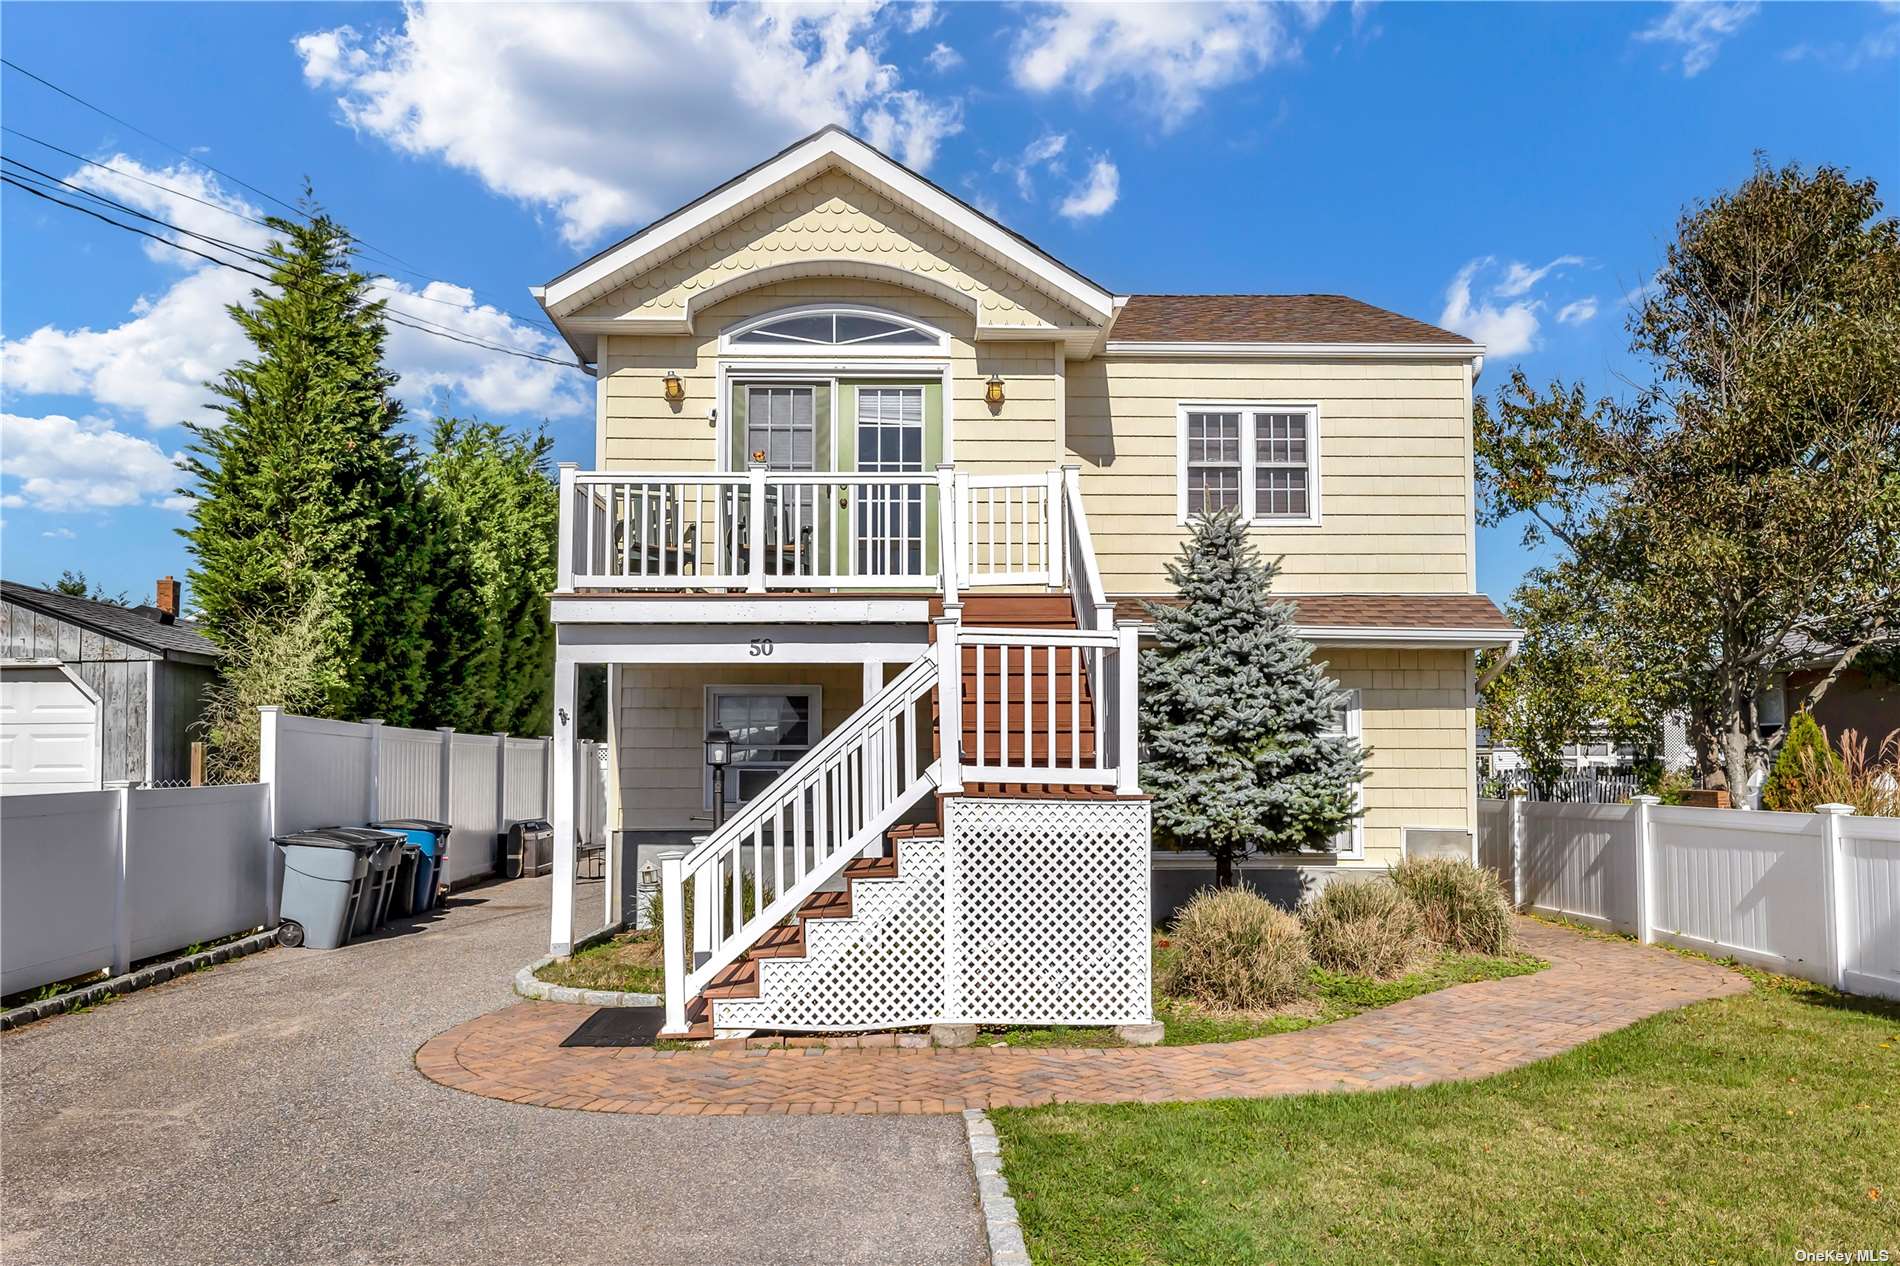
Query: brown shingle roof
[(1370, 610), (1267, 319)]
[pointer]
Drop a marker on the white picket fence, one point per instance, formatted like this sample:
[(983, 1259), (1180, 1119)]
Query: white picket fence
[(91, 880), (1815, 895)]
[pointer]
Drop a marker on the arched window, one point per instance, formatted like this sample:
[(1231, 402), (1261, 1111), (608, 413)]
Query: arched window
[(842, 328)]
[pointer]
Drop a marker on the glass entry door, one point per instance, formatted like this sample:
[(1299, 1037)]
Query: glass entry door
[(784, 427), (889, 533)]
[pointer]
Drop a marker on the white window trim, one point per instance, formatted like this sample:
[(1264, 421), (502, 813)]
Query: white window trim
[(939, 348), (707, 713), (1356, 849), (734, 372), (1247, 410)]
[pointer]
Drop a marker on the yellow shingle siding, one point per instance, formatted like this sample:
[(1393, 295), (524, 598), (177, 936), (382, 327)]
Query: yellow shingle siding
[(1394, 468)]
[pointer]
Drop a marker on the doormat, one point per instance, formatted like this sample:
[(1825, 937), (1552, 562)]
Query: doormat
[(618, 1026)]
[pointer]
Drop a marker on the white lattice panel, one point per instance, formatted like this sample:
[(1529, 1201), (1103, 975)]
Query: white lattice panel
[(880, 968), (1048, 911)]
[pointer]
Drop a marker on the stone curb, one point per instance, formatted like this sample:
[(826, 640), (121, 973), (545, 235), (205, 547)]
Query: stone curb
[(530, 986), (133, 981), (1000, 1224)]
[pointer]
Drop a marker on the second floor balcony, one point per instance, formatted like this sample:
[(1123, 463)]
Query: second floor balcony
[(760, 531)]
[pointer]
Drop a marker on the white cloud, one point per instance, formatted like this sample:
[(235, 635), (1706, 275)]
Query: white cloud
[(1094, 195), (1043, 152), (59, 534), (610, 115), (1519, 278), (436, 370), (1700, 27), (1505, 331), (919, 14), (59, 464), (944, 58), (1577, 311), (135, 184), (1170, 55), (154, 365)]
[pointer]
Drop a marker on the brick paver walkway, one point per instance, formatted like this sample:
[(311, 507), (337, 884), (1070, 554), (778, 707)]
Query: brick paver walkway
[(1592, 987)]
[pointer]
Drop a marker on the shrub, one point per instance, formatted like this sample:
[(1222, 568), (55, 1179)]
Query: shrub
[(1235, 949), (1364, 928), (1870, 784), (1462, 905), (1804, 760)]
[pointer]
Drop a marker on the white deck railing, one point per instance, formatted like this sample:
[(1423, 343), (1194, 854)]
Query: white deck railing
[(1053, 706), (759, 530), (813, 819)]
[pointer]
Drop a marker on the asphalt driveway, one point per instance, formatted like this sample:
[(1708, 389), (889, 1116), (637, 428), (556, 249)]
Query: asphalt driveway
[(268, 1111)]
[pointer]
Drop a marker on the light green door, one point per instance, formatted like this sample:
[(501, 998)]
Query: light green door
[(784, 426), (890, 428)]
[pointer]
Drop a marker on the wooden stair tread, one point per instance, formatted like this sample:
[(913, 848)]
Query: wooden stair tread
[(738, 979), (787, 940), (826, 905), (1041, 791), (871, 868), (915, 831)]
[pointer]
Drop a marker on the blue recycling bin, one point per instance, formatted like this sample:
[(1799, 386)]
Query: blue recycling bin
[(432, 868)]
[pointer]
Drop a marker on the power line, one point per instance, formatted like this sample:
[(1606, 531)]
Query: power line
[(367, 248), (415, 323)]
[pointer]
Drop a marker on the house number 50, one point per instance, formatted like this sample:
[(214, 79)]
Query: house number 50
[(761, 646)]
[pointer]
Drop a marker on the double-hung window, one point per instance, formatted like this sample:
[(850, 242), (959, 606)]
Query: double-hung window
[(1260, 460)]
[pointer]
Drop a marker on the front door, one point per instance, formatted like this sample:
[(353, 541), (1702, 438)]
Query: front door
[(894, 428), (785, 427)]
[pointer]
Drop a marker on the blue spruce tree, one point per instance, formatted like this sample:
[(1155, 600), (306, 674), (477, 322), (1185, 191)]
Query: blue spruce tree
[(1243, 752)]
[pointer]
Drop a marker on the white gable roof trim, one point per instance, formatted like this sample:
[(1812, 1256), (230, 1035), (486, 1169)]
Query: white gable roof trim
[(830, 148)]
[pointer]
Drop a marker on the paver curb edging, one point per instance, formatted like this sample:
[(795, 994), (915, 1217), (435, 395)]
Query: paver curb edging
[(1000, 1225), (133, 981), (528, 985)]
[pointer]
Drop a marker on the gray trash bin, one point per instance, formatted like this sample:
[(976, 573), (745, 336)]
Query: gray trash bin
[(385, 857), (326, 878), (529, 850)]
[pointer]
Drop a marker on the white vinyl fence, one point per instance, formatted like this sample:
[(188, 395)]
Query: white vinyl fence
[(346, 773), (1815, 895), (100, 879)]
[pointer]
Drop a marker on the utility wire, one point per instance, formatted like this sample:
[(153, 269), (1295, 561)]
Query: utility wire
[(414, 323), (366, 247)]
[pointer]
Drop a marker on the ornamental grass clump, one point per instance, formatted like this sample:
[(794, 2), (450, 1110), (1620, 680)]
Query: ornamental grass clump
[(1234, 949), (1364, 928), (1462, 905)]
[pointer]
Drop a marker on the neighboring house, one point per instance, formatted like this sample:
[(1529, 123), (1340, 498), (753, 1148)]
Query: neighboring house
[(149, 668), (857, 441)]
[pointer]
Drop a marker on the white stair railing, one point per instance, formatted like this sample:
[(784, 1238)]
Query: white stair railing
[(1009, 529), (817, 815)]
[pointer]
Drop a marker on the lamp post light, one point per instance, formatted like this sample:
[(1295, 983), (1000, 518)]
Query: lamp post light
[(718, 756)]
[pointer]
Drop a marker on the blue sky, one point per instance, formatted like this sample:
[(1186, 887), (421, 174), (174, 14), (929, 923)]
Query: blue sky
[(1512, 171)]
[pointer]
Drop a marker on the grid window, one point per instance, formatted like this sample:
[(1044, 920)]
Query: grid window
[(779, 422), (1347, 723), (770, 729), (890, 523), (1257, 460), (1213, 462)]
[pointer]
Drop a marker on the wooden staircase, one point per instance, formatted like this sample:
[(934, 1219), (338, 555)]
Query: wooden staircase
[(1030, 682), (740, 979)]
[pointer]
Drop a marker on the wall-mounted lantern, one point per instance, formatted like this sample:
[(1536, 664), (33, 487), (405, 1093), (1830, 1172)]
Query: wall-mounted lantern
[(675, 389), (993, 392), (718, 756)]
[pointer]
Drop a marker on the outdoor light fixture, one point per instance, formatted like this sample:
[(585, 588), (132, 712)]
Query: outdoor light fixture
[(675, 389), (993, 392), (718, 755)]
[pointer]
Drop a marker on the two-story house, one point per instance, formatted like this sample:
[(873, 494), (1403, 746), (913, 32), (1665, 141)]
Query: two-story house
[(879, 487)]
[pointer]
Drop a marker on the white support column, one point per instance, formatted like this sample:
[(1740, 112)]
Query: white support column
[(267, 752), (568, 520), (373, 811), (673, 941), (1516, 801), (950, 701), (561, 921), (755, 528), (1645, 869), (949, 510), (121, 902), (1833, 900), (1055, 534), (953, 933), (1127, 711)]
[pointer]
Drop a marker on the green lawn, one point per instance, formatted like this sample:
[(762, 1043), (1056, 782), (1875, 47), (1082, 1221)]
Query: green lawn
[(1334, 998), (1738, 1130), (628, 963)]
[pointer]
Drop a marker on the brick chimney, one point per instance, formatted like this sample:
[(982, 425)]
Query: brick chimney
[(167, 601)]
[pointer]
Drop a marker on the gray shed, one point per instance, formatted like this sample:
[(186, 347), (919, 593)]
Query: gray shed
[(150, 669)]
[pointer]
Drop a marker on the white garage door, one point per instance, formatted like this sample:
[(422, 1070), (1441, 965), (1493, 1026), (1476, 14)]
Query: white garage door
[(49, 730)]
